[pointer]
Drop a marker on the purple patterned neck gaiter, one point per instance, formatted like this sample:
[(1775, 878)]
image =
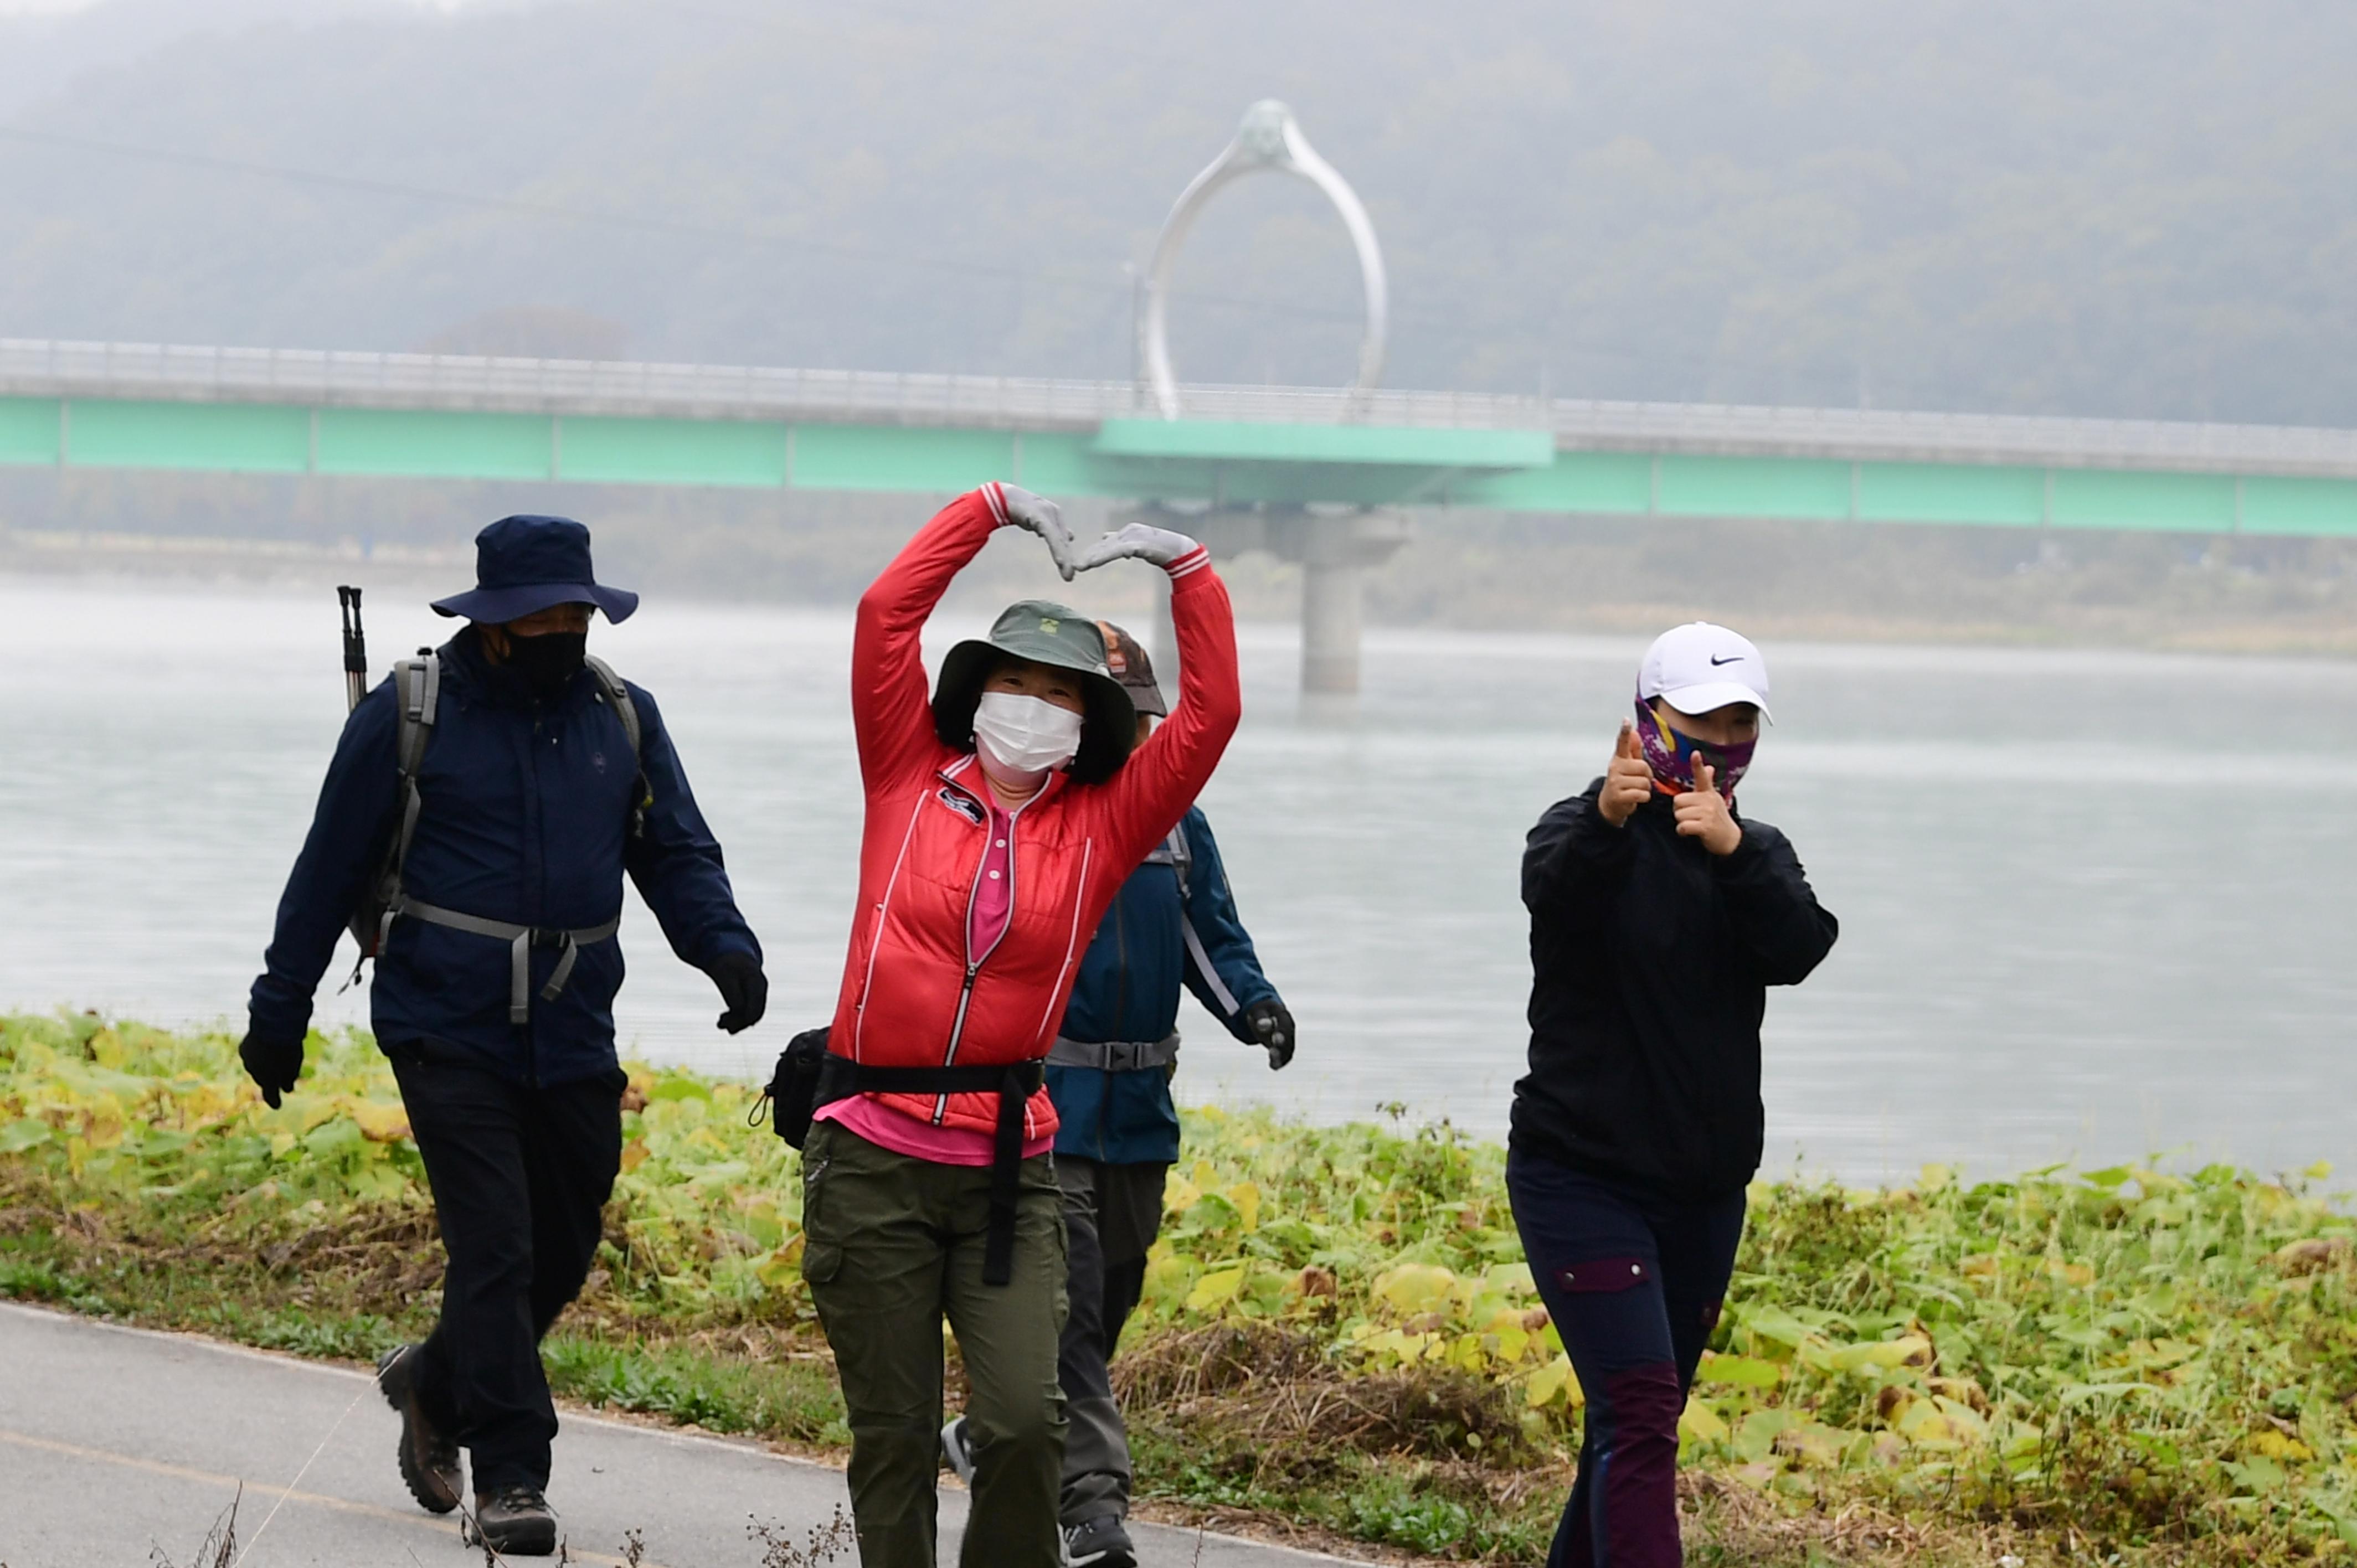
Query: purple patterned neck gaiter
[(1670, 754)]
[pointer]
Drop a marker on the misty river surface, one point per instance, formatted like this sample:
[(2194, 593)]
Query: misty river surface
[(2093, 904)]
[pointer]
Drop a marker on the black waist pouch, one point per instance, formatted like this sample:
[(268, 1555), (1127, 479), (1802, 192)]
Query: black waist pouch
[(792, 1091), (809, 1076)]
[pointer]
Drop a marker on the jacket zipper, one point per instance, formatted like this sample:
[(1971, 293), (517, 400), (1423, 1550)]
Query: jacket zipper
[(974, 961), (1120, 1012), (532, 1020), (1121, 986), (876, 936), (957, 1028)]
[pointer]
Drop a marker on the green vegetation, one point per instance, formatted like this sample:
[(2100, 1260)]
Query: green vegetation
[(1338, 1332)]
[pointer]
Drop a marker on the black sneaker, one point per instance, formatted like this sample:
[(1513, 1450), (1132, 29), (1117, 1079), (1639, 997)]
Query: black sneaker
[(957, 1451), (429, 1460), (513, 1520), (1100, 1543)]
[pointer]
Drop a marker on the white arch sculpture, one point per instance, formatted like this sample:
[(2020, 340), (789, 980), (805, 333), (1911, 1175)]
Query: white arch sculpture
[(1269, 138)]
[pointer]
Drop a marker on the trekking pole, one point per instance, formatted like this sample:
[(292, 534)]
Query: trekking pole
[(355, 649)]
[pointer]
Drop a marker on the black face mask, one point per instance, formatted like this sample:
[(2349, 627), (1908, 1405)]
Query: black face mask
[(547, 664)]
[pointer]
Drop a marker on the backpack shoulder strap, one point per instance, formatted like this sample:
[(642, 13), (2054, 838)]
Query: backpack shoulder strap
[(1182, 855), (615, 692), (417, 684), (417, 691), (1176, 852)]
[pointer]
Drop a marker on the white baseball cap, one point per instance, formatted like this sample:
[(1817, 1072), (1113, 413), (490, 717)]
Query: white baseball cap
[(1700, 666)]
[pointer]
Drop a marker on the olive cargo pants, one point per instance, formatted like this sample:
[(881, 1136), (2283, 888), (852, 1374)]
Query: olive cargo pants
[(892, 1244)]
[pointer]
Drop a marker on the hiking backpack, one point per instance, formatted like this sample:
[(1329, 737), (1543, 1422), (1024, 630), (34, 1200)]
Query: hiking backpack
[(417, 693)]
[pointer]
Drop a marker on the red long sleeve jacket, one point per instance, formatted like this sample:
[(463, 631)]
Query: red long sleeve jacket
[(909, 997)]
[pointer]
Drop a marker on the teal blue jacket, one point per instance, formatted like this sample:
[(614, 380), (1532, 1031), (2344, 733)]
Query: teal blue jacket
[(1128, 989)]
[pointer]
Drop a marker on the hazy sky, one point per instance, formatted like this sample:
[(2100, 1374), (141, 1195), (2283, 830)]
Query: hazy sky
[(59, 7), (2130, 208)]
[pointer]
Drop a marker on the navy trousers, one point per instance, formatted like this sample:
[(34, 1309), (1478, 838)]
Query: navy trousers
[(1633, 1283), (1111, 1214), (521, 1178)]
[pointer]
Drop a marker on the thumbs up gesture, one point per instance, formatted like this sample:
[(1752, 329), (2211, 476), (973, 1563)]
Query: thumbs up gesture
[(1703, 813), (1628, 781)]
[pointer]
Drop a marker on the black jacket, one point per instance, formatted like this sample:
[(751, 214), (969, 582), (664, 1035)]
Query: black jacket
[(1651, 958)]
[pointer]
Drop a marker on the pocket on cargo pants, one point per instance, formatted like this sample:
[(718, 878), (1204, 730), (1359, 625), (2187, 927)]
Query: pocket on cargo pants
[(822, 1247)]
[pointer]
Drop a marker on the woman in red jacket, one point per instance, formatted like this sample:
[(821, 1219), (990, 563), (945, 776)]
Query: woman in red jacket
[(1003, 815)]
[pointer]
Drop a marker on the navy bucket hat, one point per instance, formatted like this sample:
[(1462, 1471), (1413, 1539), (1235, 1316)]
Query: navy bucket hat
[(526, 564)]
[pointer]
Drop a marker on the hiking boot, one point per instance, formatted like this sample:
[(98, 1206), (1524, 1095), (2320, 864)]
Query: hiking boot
[(513, 1520), (1100, 1543), (429, 1459), (957, 1451)]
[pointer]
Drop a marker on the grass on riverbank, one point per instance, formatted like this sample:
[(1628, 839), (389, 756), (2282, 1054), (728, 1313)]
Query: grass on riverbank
[(1339, 1334)]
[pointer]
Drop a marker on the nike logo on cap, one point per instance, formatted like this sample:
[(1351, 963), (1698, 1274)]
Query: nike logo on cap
[(1730, 659)]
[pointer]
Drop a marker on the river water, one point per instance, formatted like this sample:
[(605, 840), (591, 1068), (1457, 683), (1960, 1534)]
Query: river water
[(2093, 904)]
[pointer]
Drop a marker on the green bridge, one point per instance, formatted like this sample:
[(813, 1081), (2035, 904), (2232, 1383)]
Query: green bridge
[(1325, 477)]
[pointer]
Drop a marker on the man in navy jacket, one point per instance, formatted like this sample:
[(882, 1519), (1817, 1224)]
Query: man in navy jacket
[(494, 988), (1172, 927)]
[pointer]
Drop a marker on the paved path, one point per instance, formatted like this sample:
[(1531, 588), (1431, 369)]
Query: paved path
[(117, 1444)]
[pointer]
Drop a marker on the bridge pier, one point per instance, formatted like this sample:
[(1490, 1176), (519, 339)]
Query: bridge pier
[(1335, 552), (1331, 596), (1333, 548)]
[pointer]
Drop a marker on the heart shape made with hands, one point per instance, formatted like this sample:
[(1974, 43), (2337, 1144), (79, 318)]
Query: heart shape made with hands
[(1137, 541), (1043, 517)]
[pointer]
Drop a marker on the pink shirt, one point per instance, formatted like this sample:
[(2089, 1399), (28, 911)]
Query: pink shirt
[(994, 890), (992, 907)]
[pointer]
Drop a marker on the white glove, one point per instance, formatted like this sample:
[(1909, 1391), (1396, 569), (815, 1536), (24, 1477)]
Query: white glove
[(1042, 517), (1138, 541)]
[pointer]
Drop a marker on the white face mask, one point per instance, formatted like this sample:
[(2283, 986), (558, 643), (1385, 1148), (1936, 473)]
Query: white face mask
[(1021, 739)]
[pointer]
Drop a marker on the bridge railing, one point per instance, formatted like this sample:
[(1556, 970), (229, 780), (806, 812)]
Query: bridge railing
[(321, 378), (1893, 436), (563, 386)]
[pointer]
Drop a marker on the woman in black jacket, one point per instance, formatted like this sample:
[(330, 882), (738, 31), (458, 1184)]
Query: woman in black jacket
[(1659, 918)]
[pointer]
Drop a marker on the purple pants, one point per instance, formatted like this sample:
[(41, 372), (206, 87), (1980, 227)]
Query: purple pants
[(1633, 1283)]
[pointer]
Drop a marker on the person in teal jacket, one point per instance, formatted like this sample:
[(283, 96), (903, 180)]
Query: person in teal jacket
[(1172, 928)]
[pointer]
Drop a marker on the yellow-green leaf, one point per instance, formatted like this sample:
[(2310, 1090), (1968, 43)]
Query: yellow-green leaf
[(380, 1123), (1750, 1372), (1547, 1382), (1700, 1424), (1215, 1290), (1882, 1355), (1413, 1288)]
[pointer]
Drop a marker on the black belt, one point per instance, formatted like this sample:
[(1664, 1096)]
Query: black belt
[(1013, 1082)]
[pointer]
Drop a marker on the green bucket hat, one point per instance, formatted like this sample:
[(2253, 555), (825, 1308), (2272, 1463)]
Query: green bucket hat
[(1043, 632)]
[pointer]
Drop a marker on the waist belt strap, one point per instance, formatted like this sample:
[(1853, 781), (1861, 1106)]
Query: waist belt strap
[(520, 940), (1115, 1055), (1013, 1082)]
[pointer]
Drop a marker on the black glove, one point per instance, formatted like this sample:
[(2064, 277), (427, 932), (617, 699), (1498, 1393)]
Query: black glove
[(743, 987), (272, 1064), (1272, 1026)]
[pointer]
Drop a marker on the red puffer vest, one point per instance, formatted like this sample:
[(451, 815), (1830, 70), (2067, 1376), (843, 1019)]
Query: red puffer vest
[(908, 998)]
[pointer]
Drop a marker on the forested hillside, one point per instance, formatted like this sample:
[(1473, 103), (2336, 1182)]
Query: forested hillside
[(2113, 207)]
